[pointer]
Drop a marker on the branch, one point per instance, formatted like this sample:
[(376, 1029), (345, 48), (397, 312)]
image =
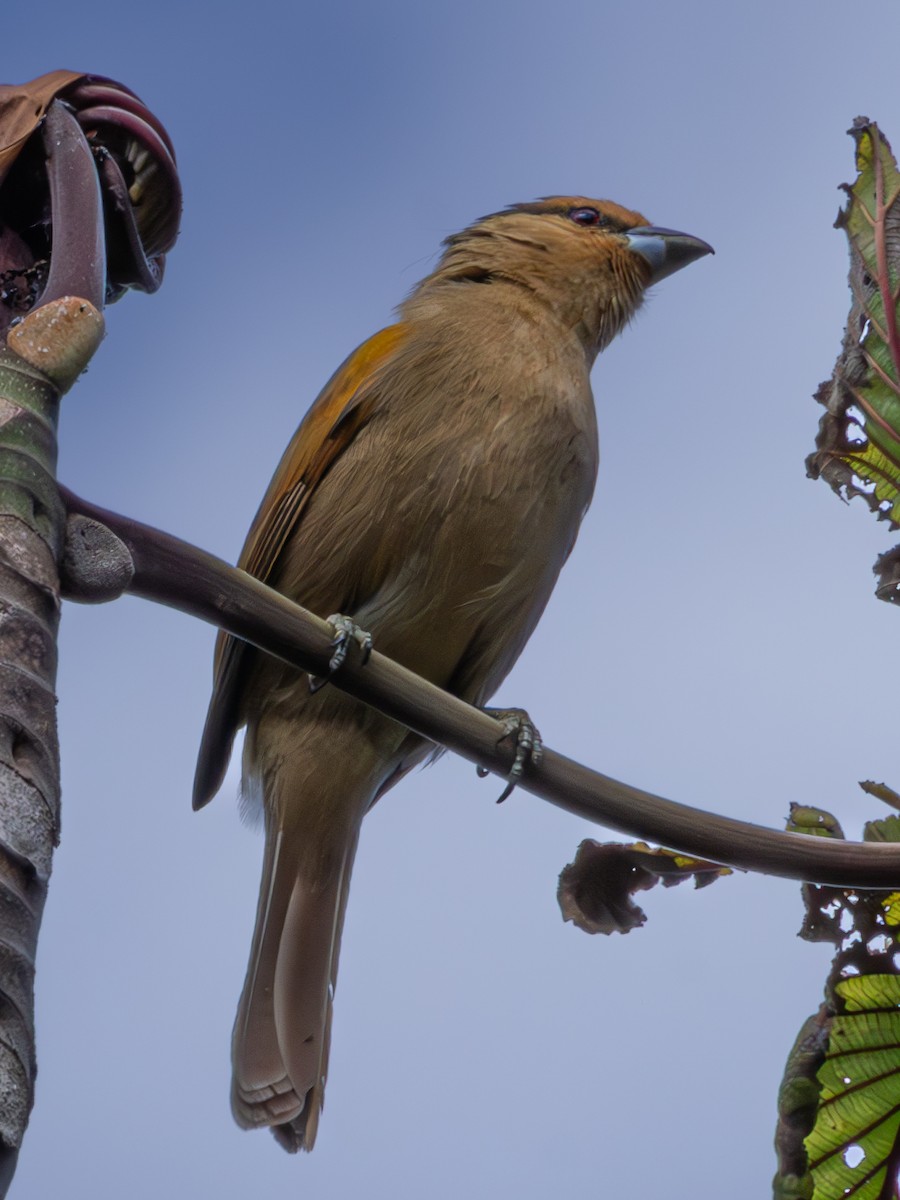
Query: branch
[(164, 569)]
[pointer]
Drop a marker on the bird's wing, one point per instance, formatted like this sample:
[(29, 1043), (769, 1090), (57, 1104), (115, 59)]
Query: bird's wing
[(342, 408)]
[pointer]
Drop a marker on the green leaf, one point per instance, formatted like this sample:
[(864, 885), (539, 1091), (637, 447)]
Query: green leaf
[(858, 444), (839, 1105), (854, 1143)]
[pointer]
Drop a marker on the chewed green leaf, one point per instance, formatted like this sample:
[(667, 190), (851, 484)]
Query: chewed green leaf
[(886, 829), (864, 993), (858, 444), (880, 473), (839, 1106), (877, 186), (856, 1138)]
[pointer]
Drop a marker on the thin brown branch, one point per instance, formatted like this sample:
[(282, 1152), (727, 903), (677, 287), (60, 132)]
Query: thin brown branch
[(172, 572)]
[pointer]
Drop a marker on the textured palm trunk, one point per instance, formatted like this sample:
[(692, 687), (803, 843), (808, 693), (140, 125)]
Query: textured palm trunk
[(31, 526), (61, 336), (41, 354), (85, 168)]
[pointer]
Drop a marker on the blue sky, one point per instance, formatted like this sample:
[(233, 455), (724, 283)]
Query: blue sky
[(714, 636)]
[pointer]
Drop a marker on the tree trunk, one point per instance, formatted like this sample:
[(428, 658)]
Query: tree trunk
[(61, 336)]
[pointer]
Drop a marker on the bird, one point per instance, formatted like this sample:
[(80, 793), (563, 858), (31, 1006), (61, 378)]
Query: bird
[(429, 498)]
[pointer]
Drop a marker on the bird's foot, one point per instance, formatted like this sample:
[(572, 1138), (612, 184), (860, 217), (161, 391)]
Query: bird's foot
[(345, 631), (529, 746)]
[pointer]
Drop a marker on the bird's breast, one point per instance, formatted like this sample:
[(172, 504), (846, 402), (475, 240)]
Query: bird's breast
[(443, 526), (476, 518)]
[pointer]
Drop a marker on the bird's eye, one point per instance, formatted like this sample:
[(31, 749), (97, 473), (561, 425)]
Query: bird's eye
[(585, 216)]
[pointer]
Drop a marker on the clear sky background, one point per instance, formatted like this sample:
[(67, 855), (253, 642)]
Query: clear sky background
[(714, 636)]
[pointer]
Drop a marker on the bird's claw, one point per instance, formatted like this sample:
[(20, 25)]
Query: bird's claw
[(345, 631), (529, 746)]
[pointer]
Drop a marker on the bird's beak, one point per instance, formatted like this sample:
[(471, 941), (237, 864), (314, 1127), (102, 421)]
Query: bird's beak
[(666, 250)]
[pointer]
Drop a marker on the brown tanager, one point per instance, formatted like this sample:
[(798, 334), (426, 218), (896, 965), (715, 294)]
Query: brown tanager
[(432, 493)]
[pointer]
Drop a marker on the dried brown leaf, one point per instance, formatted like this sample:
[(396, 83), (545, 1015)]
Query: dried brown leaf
[(595, 890), (22, 108)]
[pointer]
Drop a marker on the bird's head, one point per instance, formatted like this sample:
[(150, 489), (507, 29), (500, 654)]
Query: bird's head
[(589, 261)]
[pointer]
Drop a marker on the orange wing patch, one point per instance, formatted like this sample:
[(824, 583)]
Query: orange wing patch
[(340, 411), (343, 407)]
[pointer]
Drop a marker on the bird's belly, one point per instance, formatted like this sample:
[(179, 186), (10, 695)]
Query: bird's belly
[(483, 539), (444, 538)]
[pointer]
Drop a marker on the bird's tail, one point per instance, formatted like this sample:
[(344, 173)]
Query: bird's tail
[(283, 1027)]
